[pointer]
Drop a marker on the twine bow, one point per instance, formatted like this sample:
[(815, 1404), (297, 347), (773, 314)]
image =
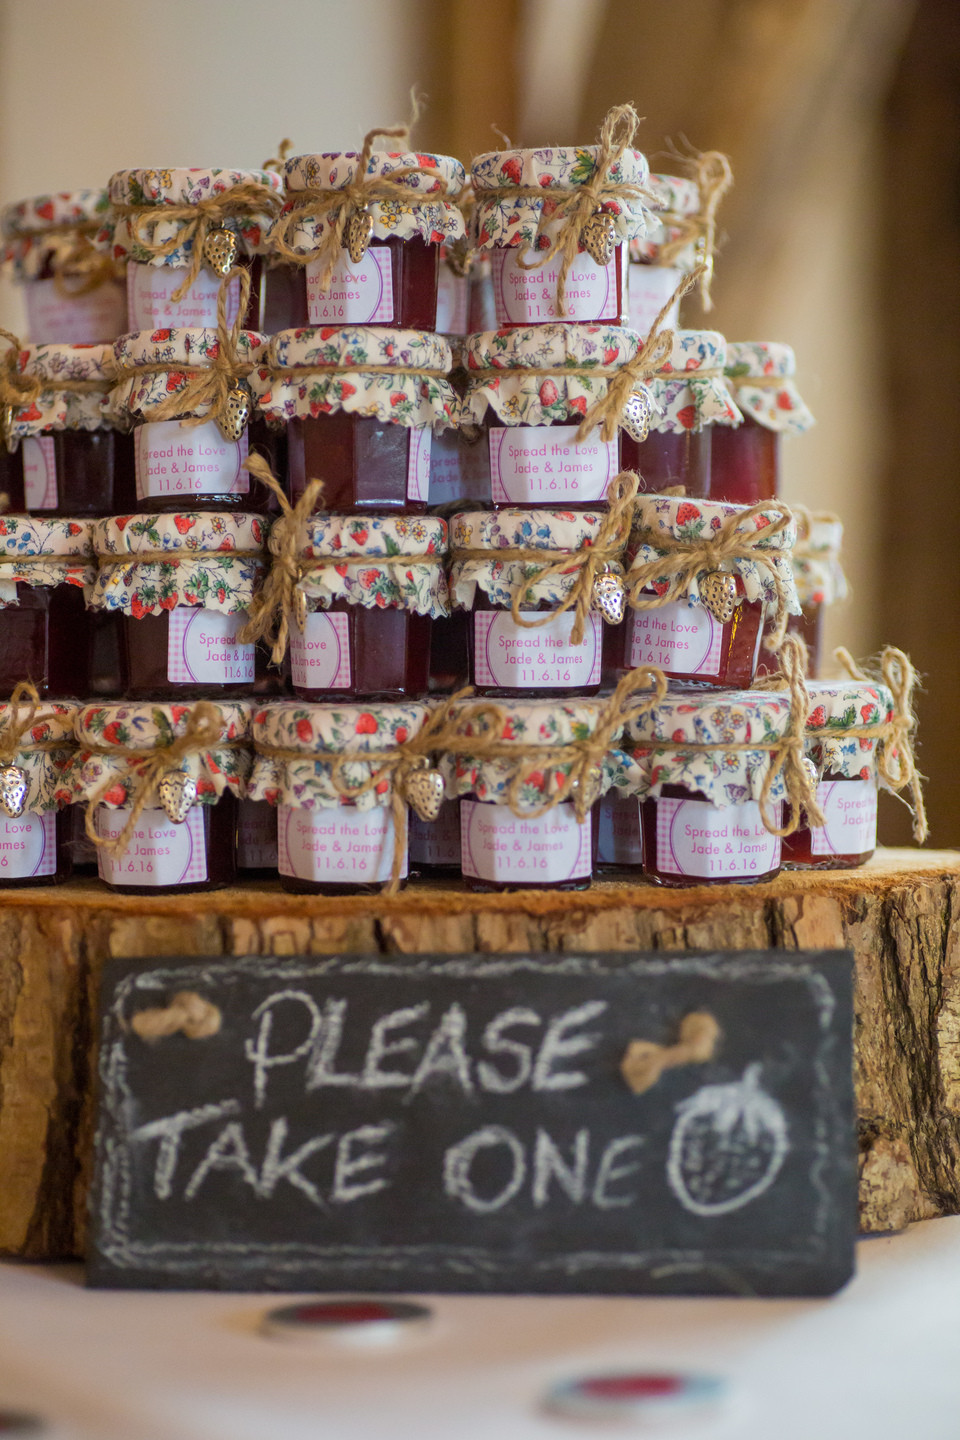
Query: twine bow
[(201, 732), (196, 222), (15, 725), (713, 174), (681, 562), (896, 764), (18, 390), (592, 559)]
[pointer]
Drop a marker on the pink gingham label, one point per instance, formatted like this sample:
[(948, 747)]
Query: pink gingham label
[(158, 852), (436, 842), (39, 473), (418, 463), (713, 843), (650, 288), (677, 637), (359, 294), (203, 648), (511, 849), (150, 302), (345, 846), (256, 836), (850, 807), (320, 657), (453, 302), (187, 461), (619, 836), (529, 297), (55, 319), (28, 846), (544, 464), (514, 657)]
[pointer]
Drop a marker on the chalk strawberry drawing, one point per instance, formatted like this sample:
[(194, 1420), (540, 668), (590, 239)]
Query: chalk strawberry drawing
[(727, 1147)]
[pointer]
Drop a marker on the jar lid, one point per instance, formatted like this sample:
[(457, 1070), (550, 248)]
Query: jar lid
[(64, 402), (697, 521), (687, 719), (760, 374), (183, 186), (816, 559), (396, 562), (547, 530), (690, 387), (318, 732), (207, 561), (105, 731), (83, 208), (158, 189), (336, 169), (44, 553), (194, 347), (316, 371), (523, 394), (836, 708), (677, 198), (44, 752)]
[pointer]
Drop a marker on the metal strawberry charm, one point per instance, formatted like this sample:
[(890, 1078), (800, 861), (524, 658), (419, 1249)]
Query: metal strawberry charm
[(424, 791), (13, 790), (357, 235), (586, 791), (598, 236), (609, 597), (718, 592), (237, 409), (636, 415), (220, 250), (177, 791)]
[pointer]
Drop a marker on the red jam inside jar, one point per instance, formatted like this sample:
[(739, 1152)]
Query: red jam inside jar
[(256, 839), (521, 661), (160, 490), (365, 463), (619, 836), (850, 836), (745, 468), (502, 851), (435, 844), (450, 651), (707, 844), (342, 851), (11, 479), (666, 459), (291, 300), (542, 465), (47, 638), (87, 473), (205, 845), (727, 654), (348, 651), (159, 653), (35, 849)]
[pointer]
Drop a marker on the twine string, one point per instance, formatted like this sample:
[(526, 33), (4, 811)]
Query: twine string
[(713, 174), (896, 761), (21, 712)]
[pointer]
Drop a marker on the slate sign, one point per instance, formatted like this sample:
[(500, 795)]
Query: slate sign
[(437, 1124)]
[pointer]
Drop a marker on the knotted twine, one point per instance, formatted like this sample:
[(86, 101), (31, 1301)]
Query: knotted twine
[(594, 557), (72, 257), (208, 386), (574, 205), (713, 174), (147, 768), (337, 207), (896, 764), (276, 601), (18, 390), (194, 223), (681, 562), (14, 725)]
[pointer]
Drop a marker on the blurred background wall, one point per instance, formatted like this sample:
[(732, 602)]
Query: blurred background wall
[(841, 234)]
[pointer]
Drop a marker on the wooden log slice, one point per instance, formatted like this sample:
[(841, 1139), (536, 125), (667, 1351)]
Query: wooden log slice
[(898, 914)]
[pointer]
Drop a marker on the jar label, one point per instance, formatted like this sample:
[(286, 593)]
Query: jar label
[(357, 295), (453, 302), (714, 843), (514, 657), (544, 463), (345, 846), (28, 846), (446, 481), (256, 836), (202, 648), (650, 288), (39, 473), (677, 637), (173, 459), (150, 302), (320, 657), (436, 842), (850, 807), (529, 297), (498, 845), (158, 852), (55, 319), (418, 463), (619, 836)]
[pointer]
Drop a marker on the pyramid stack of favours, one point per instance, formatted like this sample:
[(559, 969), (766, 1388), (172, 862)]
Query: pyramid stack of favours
[(306, 572)]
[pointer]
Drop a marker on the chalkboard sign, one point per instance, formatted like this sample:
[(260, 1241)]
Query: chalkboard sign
[(436, 1124)]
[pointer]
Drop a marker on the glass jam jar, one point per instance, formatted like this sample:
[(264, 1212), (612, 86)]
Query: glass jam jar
[(195, 853), (179, 463), (47, 572), (70, 459), (435, 844), (819, 578), (366, 432), (71, 292), (746, 461), (700, 813), (180, 615), (327, 843), (846, 766), (694, 405), (528, 453), (619, 835), (523, 660), (34, 846), (395, 280), (687, 638), (373, 587), (156, 219), (514, 226), (256, 839), (665, 253)]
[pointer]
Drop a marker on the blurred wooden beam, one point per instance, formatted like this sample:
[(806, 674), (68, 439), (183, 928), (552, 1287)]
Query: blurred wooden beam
[(474, 64)]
